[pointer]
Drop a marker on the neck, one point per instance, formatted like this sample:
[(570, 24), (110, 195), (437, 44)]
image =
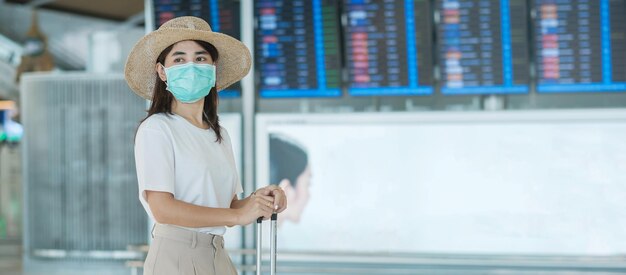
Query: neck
[(190, 111)]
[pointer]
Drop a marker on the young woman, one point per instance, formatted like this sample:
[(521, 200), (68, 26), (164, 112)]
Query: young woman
[(186, 171)]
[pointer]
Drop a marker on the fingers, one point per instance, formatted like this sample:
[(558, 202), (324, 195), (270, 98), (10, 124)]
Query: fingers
[(265, 191), (280, 200), (275, 195), (264, 197), (264, 206), (267, 202)]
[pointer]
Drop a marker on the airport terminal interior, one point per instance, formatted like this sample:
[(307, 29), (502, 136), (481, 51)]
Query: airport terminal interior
[(407, 136)]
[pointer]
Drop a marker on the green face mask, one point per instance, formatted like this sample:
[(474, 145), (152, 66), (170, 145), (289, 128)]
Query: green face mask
[(190, 82)]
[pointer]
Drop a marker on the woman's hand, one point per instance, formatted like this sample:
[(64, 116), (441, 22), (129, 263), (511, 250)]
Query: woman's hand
[(257, 205), (280, 200)]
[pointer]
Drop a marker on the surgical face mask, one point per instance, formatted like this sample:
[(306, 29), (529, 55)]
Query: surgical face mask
[(190, 82)]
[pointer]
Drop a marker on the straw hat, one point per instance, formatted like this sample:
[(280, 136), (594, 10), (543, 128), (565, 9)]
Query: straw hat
[(233, 63)]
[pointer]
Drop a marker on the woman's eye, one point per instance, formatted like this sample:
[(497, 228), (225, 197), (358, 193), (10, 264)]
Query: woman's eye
[(201, 58), (177, 60)]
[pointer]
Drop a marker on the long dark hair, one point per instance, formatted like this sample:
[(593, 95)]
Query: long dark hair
[(287, 160), (162, 99)]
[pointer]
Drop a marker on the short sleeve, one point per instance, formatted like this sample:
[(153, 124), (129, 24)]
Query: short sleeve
[(154, 160)]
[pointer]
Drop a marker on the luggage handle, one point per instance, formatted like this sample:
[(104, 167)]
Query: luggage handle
[(259, 240)]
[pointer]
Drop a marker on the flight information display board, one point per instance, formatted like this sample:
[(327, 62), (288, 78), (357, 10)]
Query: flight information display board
[(222, 15), (483, 46), (297, 50), (580, 45), (389, 47)]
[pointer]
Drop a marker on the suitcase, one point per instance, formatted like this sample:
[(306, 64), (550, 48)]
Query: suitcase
[(259, 238)]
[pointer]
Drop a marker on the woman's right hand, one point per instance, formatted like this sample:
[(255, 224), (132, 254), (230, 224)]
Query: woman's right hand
[(257, 205)]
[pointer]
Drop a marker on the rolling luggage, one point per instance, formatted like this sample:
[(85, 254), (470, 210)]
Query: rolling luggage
[(259, 238)]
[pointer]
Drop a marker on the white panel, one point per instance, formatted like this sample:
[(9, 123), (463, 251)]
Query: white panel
[(549, 182)]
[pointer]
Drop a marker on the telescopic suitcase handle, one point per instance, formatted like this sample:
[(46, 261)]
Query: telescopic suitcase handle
[(259, 240)]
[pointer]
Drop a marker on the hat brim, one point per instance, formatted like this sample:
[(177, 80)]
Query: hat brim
[(232, 65)]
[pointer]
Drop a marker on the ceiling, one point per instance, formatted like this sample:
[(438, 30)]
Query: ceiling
[(119, 10)]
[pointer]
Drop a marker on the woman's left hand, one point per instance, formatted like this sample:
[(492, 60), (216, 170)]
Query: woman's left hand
[(280, 200)]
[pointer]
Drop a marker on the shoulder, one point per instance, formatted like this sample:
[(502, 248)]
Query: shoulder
[(224, 132), (160, 124), (225, 135)]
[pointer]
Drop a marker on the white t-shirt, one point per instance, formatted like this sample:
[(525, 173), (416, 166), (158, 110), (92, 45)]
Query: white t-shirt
[(172, 155)]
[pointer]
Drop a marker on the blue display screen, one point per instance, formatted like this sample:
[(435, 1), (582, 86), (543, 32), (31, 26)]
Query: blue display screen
[(580, 45), (297, 48), (389, 47), (483, 46)]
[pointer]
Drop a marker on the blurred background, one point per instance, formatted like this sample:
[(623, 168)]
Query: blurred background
[(411, 136)]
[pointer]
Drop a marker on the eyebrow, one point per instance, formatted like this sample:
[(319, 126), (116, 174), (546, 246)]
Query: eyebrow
[(183, 53)]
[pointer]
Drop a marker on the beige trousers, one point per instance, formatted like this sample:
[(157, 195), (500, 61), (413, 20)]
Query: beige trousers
[(176, 250)]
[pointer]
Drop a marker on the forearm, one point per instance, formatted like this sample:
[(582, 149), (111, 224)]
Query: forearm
[(237, 203), (176, 212)]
